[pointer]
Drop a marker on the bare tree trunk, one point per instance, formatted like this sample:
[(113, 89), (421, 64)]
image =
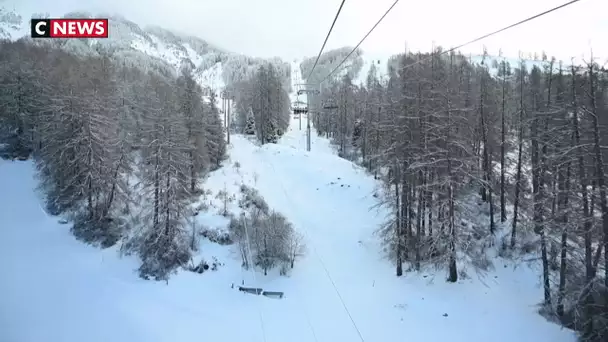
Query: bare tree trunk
[(520, 144), (453, 271), (192, 173), (364, 142), (108, 205), (429, 203), (564, 193), (487, 165), (409, 194), (503, 205), (168, 227), (398, 228), (490, 193), (156, 215), (419, 219), (423, 198), (452, 268)]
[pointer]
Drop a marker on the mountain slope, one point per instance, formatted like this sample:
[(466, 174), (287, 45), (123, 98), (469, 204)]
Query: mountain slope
[(71, 292), (341, 288), (59, 289), (153, 48)]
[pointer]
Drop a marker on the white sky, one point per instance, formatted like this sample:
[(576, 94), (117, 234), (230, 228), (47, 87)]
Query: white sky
[(292, 29)]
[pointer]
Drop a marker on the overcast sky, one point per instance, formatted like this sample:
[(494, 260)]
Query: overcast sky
[(290, 28)]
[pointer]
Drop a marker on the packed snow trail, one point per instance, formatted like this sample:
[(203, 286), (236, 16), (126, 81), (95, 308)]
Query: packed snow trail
[(57, 289), (330, 200)]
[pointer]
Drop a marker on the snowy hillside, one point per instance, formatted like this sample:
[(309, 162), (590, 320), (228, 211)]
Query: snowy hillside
[(150, 47), (328, 61), (379, 61), (360, 63), (61, 290), (153, 48), (72, 292), (334, 278)]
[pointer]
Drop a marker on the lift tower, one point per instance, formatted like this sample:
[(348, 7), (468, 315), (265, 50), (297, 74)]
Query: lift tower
[(307, 91)]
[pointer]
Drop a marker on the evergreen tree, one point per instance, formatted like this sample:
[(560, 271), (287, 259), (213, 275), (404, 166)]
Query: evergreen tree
[(215, 133), (250, 125)]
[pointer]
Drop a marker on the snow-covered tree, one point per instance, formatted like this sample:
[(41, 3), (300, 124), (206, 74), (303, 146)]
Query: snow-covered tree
[(215, 133), (166, 175), (250, 124), (9, 20), (106, 138)]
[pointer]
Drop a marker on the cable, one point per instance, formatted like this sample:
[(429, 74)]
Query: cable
[(339, 295), (493, 33), (303, 309), (461, 45), (361, 41), (288, 198), (326, 38)]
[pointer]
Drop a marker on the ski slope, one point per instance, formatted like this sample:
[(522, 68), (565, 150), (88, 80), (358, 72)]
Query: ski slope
[(56, 289)]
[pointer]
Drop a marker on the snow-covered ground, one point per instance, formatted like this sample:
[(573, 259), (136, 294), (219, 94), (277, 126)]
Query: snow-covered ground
[(56, 289)]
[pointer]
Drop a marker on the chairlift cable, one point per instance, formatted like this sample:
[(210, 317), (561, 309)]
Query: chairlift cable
[(459, 46), (327, 273), (325, 42), (494, 32), (362, 40)]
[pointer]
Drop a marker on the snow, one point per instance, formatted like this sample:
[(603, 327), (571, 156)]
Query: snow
[(211, 77), (57, 289), (193, 55), (368, 60)]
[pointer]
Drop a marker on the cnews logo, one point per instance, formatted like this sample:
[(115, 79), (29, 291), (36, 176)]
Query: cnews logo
[(69, 28)]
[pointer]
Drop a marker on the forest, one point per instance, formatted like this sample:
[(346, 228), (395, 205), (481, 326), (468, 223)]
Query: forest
[(103, 136), (473, 157), (263, 106), (330, 60), (451, 139), (123, 151)]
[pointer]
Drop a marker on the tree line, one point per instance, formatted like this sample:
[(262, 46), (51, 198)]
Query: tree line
[(262, 104), (476, 155), (330, 60), (120, 151)]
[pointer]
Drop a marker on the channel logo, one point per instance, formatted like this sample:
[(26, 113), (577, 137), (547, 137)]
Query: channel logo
[(69, 28)]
